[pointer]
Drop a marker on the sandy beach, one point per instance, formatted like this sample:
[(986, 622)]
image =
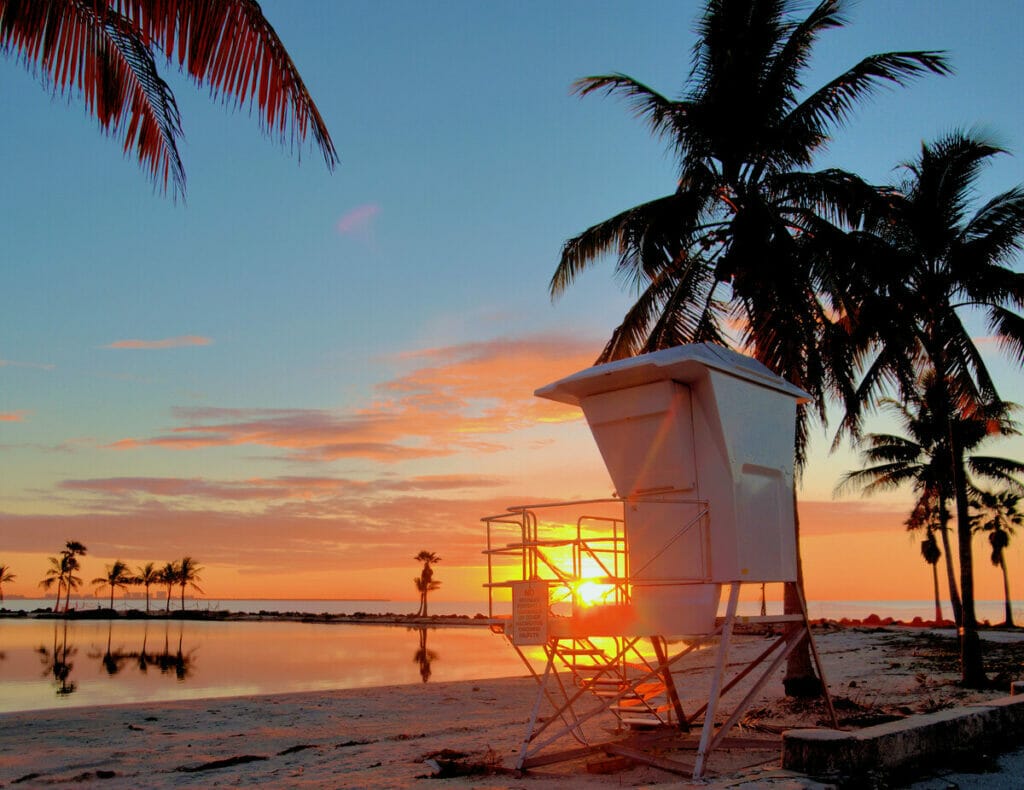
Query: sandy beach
[(399, 736)]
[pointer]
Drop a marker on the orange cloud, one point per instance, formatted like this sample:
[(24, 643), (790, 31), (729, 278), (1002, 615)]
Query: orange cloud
[(170, 342), (451, 403), (13, 416)]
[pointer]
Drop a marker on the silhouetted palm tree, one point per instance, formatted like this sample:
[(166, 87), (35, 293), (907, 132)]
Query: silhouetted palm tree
[(748, 236), (921, 458), (147, 575), (999, 517), (107, 51), (55, 575), (5, 576), (931, 553), (169, 576), (934, 262), (188, 576), (424, 582), (117, 576)]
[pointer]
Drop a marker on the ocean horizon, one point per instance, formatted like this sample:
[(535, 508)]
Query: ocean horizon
[(990, 611)]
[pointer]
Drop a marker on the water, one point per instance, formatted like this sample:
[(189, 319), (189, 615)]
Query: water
[(47, 663)]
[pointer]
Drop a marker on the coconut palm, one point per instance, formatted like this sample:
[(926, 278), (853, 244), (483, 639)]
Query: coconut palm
[(169, 576), (927, 515), (424, 582), (107, 51), (147, 575), (747, 236), (188, 576), (5, 576), (999, 517), (117, 575), (920, 457), (55, 575), (935, 263)]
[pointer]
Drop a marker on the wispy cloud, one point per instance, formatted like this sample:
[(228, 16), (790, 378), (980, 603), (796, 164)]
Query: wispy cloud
[(357, 220), (169, 342), (5, 363), (460, 397), (13, 416)]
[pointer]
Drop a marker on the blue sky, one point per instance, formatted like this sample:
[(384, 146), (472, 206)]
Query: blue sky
[(277, 285)]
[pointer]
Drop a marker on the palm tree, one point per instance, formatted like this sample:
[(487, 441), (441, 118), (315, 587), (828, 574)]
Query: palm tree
[(147, 575), (117, 576), (424, 582), (188, 576), (5, 576), (931, 553), (934, 263), (927, 515), (107, 51), (73, 549), (921, 457), (55, 575), (169, 576), (998, 516), (747, 235)]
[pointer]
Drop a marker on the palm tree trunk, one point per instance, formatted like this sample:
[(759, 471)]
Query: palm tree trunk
[(800, 680), (1006, 591), (935, 584), (954, 592), (111, 596), (972, 668)]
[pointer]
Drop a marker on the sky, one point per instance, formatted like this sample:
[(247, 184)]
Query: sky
[(301, 378)]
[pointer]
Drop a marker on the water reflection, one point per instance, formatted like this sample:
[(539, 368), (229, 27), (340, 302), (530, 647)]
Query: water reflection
[(98, 662), (57, 661), (423, 656)]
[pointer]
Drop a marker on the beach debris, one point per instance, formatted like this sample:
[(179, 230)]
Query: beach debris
[(227, 762), (448, 763)]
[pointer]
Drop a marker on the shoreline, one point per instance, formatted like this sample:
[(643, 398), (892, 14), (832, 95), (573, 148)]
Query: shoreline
[(386, 736)]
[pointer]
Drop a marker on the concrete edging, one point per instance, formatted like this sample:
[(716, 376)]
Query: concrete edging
[(900, 745)]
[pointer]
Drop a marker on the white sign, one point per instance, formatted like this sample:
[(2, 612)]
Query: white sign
[(529, 613)]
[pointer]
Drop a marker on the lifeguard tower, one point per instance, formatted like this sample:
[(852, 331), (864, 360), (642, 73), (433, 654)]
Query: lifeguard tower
[(698, 441)]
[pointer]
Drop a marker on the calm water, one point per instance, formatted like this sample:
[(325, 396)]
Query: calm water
[(70, 663), (57, 663)]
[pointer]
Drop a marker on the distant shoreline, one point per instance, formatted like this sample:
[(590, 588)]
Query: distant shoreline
[(359, 618)]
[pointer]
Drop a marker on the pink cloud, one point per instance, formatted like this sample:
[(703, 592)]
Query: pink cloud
[(358, 219), (459, 398), (170, 342), (13, 416)]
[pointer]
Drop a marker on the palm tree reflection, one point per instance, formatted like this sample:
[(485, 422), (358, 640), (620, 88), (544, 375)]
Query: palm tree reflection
[(57, 661), (423, 657), (178, 662)]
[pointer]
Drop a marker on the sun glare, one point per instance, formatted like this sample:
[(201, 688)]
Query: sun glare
[(590, 593)]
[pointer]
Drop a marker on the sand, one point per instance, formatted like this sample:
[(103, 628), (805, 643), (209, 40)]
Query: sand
[(396, 737)]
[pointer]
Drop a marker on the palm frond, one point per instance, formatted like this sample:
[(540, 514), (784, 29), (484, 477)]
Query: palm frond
[(231, 47), (832, 104), (659, 113), (90, 49)]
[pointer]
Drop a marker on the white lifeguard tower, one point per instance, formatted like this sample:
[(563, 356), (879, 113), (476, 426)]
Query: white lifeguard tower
[(698, 441)]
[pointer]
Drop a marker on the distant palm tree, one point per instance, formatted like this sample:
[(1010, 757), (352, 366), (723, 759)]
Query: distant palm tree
[(73, 549), (188, 576), (424, 582), (147, 575), (118, 575), (998, 516), (931, 553), (55, 575), (5, 576), (107, 50), (169, 576)]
